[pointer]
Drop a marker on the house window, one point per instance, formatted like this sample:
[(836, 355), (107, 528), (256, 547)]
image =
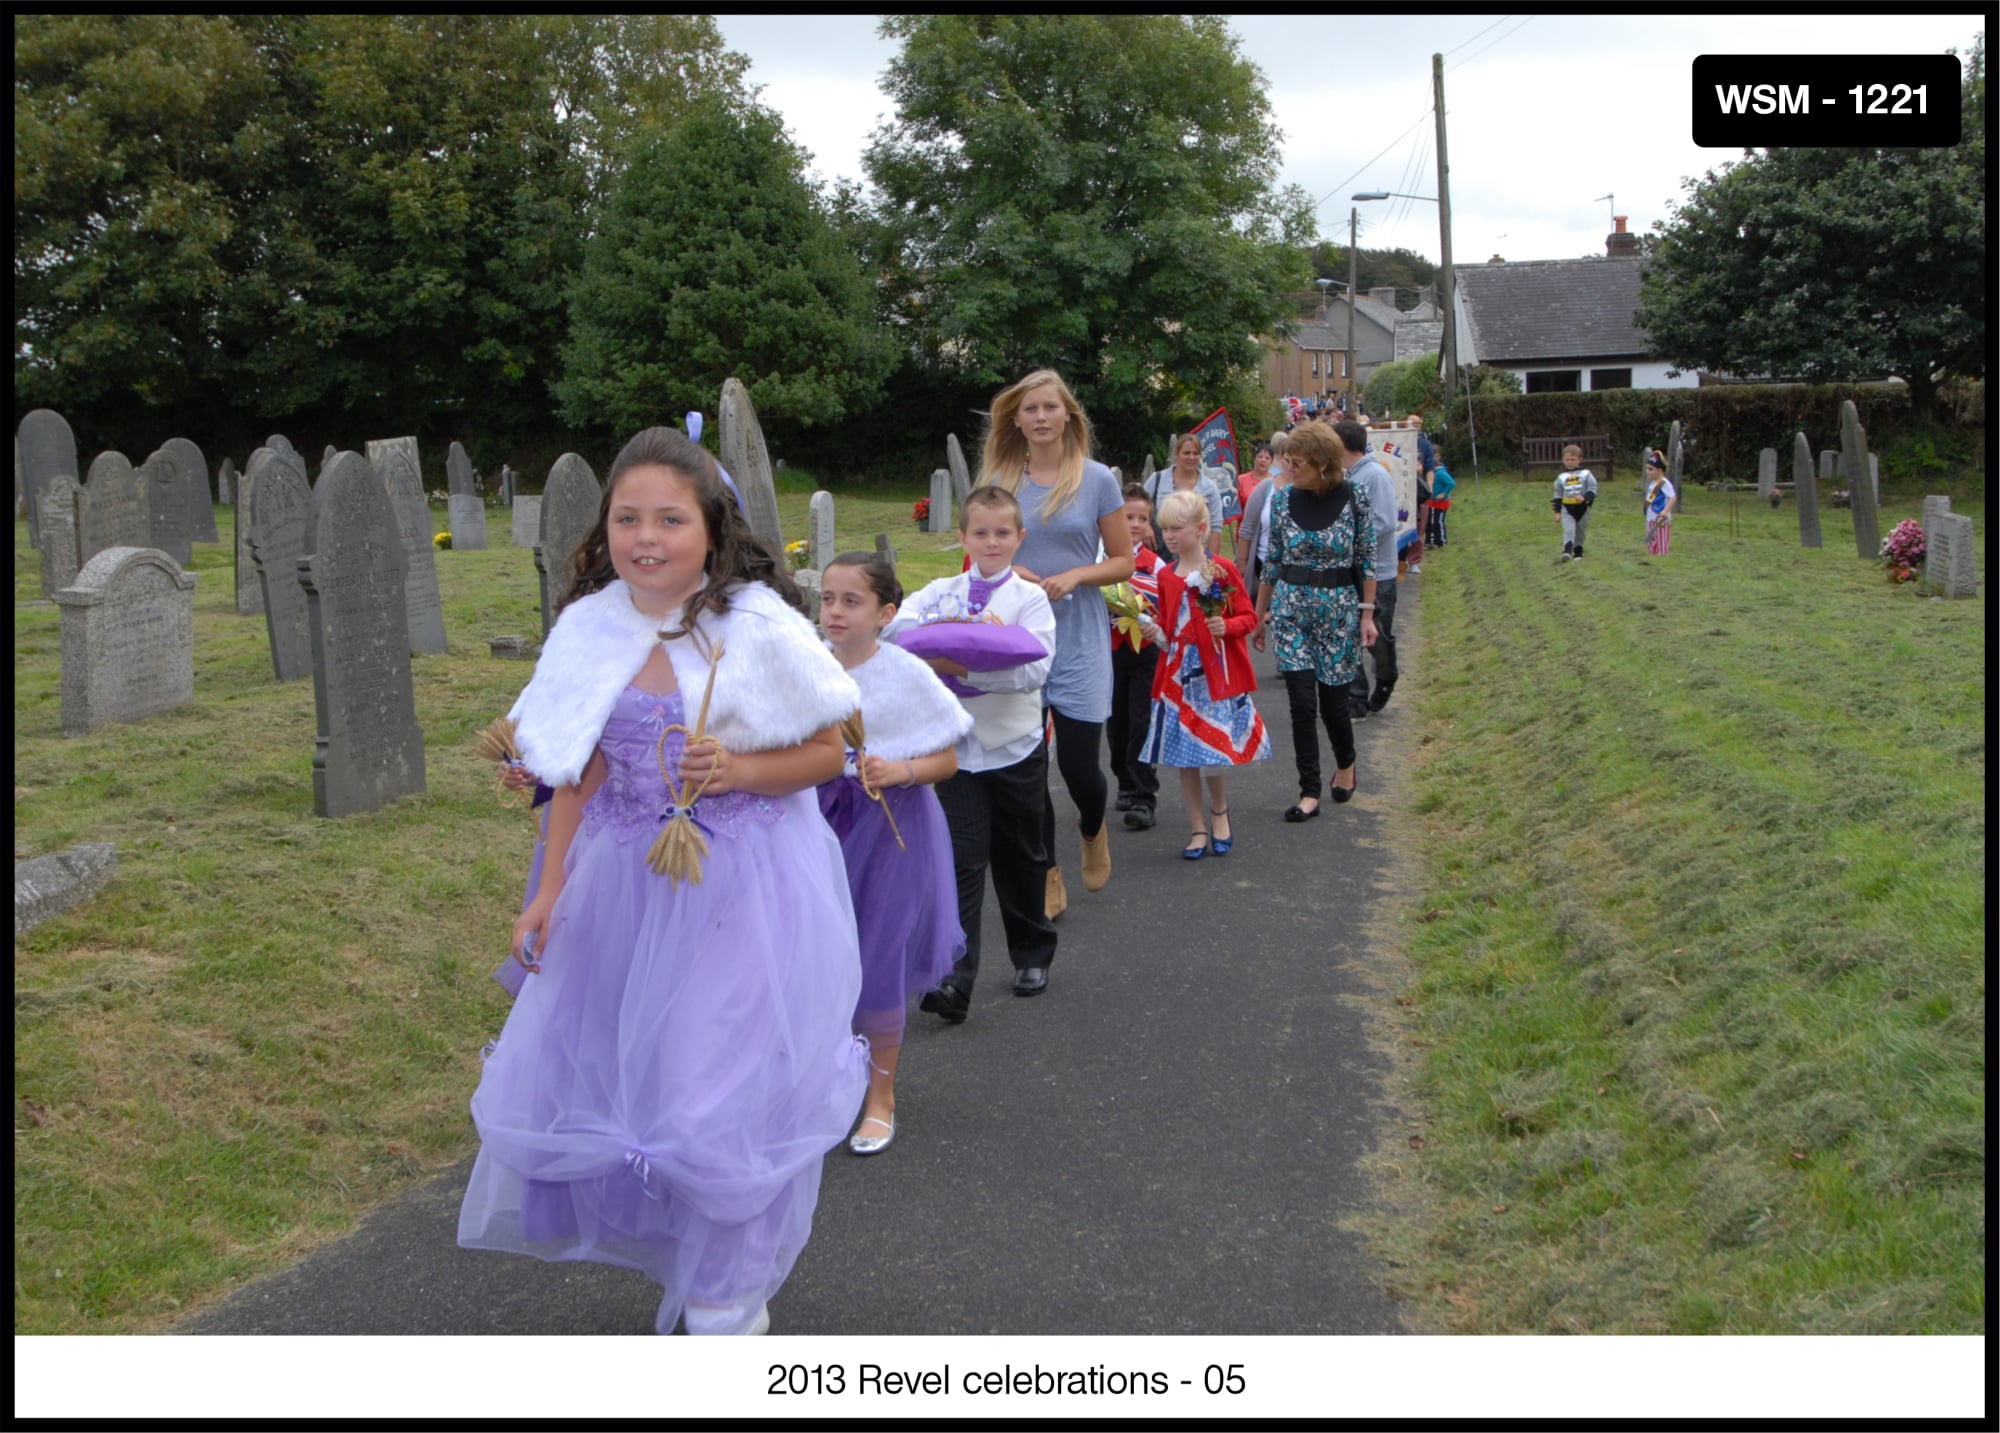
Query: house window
[(1343, 365), (1602, 378), (1315, 367), (1556, 380)]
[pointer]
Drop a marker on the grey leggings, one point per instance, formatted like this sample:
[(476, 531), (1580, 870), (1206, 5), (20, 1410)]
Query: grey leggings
[(1573, 525)]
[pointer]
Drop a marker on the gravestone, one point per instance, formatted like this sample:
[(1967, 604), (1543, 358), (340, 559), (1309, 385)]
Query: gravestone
[(1146, 470), (201, 503), (48, 447), (458, 475), (127, 639), (279, 504), (1829, 463), (279, 443), (1118, 475), (249, 598), (49, 885), (570, 503), (17, 475), (882, 546), (1875, 479), (1674, 459), (819, 520), (467, 516), (1951, 566), (961, 476), (1806, 489), (328, 456), (506, 486), (395, 462), (113, 512), (225, 483), (527, 523), (1854, 474), (1935, 507), (749, 462), (369, 750), (513, 649), (168, 499), (939, 519), (62, 553), (1767, 471)]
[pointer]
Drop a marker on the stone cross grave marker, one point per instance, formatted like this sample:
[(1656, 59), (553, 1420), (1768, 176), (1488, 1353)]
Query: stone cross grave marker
[(225, 482), (114, 507), (570, 501), (201, 503), (369, 750), (939, 519), (1951, 565), (62, 553), (749, 461), (279, 504), (167, 502), (961, 476), (48, 447), (127, 639), (395, 462), (527, 525), (1806, 489), (1854, 473), (819, 518), (1767, 471)]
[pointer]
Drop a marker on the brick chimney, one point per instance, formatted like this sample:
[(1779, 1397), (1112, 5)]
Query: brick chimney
[(1618, 244), (1496, 259)]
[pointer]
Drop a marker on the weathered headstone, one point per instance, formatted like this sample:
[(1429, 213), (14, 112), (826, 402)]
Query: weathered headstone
[(62, 553), (1674, 460), (168, 500), (280, 504), (114, 507), (506, 486), (1854, 474), (1146, 469), (513, 649), (1829, 463), (570, 502), (328, 456), (369, 750), (882, 546), (225, 483), (939, 519), (279, 443), (1767, 471), (48, 447), (1935, 507), (467, 515), (1951, 566), (201, 503), (458, 470), (1806, 489), (749, 461), (527, 520), (1875, 479), (49, 885), (961, 476), (127, 638), (249, 596), (819, 520), (395, 462), (1118, 475), (18, 483)]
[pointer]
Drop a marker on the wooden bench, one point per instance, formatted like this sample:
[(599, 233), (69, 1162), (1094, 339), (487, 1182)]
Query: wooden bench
[(1547, 454)]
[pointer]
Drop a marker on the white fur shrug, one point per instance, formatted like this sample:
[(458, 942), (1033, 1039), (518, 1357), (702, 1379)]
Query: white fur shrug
[(906, 711), (776, 684)]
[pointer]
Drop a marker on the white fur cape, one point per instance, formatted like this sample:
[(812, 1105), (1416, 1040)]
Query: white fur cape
[(906, 712), (776, 684)]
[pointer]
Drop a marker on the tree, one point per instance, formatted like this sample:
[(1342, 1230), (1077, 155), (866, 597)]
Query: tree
[(1403, 270), (1093, 193), (715, 257), (1829, 264)]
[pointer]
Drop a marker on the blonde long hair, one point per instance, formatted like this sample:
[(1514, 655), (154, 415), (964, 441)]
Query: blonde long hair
[(1007, 446)]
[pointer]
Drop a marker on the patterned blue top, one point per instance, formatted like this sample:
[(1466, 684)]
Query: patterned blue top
[(1318, 629), (1080, 677)]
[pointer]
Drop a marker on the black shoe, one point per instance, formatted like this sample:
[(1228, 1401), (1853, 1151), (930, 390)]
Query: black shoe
[(1124, 801), (1381, 698), (949, 1001), (1357, 711), (1139, 818), (1299, 813), (1032, 981)]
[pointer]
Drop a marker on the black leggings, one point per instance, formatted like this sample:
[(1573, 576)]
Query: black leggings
[(1079, 754), (1307, 692)]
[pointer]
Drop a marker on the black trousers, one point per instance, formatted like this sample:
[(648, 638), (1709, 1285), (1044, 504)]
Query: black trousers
[(1079, 749), (1309, 697), (1384, 649), (996, 823), (1131, 715)]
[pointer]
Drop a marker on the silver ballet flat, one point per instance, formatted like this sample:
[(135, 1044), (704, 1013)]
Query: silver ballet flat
[(874, 1144)]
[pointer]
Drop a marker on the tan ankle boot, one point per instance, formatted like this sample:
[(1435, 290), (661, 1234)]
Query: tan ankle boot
[(1096, 858), (1057, 900)]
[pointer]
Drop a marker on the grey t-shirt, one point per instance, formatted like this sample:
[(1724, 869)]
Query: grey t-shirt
[(1080, 678)]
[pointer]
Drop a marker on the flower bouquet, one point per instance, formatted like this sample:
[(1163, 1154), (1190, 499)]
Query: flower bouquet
[(797, 553), (1211, 589), (921, 513), (1128, 610), (1903, 550), (442, 542)]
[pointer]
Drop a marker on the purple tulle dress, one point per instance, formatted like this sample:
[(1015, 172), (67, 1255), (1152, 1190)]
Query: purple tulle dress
[(905, 899), (663, 1092)]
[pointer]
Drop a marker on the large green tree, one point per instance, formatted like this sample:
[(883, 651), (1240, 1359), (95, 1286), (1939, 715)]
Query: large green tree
[(1089, 192), (716, 257), (1830, 264)]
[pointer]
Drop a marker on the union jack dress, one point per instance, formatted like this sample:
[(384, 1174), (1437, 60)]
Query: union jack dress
[(1191, 728)]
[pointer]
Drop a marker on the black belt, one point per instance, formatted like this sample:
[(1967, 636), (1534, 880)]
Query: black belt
[(1318, 576)]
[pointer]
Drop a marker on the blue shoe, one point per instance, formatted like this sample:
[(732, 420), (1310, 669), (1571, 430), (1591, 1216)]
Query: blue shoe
[(1221, 844), (1195, 853)]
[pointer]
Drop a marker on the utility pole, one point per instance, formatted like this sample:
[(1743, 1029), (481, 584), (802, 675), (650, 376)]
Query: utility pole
[(1449, 284), (1353, 230)]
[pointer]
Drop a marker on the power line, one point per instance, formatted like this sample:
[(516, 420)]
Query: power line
[(1469, 39), (1526, 20), (1364, 168)]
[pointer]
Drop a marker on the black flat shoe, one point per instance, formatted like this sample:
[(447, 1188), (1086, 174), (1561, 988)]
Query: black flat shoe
[(1346, 793), (1139, 818), (1032, 981), (949, 1001), (1124, 802), (1299, 813)]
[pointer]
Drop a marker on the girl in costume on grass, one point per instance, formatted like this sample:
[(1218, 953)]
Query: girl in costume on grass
[(1661, 500), (891, 828), (1202, 713), (665, 1088)]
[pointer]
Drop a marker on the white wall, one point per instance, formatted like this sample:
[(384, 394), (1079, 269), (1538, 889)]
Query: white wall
[(1644, 375)]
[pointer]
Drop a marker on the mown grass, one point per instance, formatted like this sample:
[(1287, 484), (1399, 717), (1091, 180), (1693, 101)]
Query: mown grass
[(267, 1022), (1699, 986)]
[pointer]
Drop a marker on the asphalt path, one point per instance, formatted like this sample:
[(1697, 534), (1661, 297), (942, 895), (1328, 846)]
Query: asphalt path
[(1165, 1142)]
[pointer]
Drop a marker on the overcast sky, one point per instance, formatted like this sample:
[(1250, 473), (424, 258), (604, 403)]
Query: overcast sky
[(1545, 112)]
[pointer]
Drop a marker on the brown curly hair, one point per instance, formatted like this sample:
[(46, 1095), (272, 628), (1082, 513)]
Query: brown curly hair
[(736, 552)]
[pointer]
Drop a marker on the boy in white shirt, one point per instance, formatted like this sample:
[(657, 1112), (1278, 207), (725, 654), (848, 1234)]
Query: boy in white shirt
[(994, 804)]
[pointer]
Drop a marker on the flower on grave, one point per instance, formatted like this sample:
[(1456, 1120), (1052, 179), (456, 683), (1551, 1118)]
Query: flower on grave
[(921, 513), (1903, 549), (797, 551), (442, 541)]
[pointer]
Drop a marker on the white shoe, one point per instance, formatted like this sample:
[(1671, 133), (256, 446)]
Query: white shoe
[(705, 1320), (1415, 570), (873, 1144)]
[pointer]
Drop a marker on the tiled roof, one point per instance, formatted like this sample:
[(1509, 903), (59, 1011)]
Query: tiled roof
[(1552, 309)]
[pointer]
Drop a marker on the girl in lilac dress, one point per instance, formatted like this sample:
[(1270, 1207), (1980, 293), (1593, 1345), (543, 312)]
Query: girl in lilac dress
[(670, 1078), (905, 892)]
